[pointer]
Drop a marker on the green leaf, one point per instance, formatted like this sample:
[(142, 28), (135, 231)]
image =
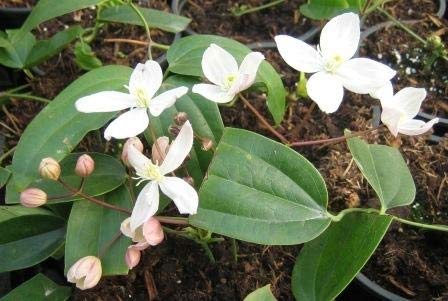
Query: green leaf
[(28, 236), (261, 191), (326, 265), (386, 171), (262, 294), (39, 288), (155, 18), (59, 127), (49, 9), (185, 55), (85, 58), (45, 49), (4, 176), (205, 120), (109, 173), (326, 9), (14, 54), (93, 230)]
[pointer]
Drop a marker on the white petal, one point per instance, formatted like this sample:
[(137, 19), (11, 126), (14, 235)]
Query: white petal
[(409, 100), (416, 127), (340, 36), (217, 64), (128, 124), (179, 149), (325, 90), (361, 75), (213, 92), (383, 92), (391, 118), (165, 100), (148, 76), (137, 160), (248, 70), (146, 205), (184, 196), (298, 54), (125, 228), (106, 101)]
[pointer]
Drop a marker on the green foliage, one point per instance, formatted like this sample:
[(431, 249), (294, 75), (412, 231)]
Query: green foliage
[(14, 54), (386, 171), (85, 58), (4, 176), (39, 288), (326, 9), (262, 294), (59, 127), (28, 236), (185, 55), (261, 191), (326, 265), (155, 18), (95, 230)]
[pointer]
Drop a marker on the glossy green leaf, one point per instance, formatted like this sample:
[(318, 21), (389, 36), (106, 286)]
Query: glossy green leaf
[(58, 128), (14, 54), (28, 236), (386, 171), (4, 176), (39, 288), (261, 191), (262, 294), (85, 57), (326, 9), (45, 49), (326, 265), (185, 55), (49, 9), (95, 230), (109, 173), (155, 18)]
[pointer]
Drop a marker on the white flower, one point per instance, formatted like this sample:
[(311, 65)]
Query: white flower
[(145, 81), (400, 109), (332, 63), (184, 196), (86, 272), (221, 68)]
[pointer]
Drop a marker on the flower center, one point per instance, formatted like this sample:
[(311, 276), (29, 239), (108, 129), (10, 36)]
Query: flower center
[(151, 172), (332, 64), (229, 81), (142, 99)]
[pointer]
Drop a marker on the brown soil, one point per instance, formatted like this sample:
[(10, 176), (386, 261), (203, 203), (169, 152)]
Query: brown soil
[(18, 3)]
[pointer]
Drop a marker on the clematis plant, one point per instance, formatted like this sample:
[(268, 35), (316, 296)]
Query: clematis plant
[(221, 68), (332, 63), (144, 83)]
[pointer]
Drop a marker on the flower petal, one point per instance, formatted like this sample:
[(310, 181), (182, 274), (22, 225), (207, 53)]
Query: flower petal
[(146, 205), (137, 160), (183, 195), (383, 92), (361, 75), (128, 124), (248, 70), (125, 228), (213, 93), (106, 101), (415, 127), (179, 149), (325, 90), (217, 64), (391, 118), (148, 76), (298, 54), (340, 36), (165, 100), (409, 100)]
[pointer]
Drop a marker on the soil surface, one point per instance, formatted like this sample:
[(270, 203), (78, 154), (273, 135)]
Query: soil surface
[(409, 262), (18, 3)]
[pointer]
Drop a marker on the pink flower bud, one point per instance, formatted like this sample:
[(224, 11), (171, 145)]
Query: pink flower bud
[(86, 272), (84, 166), (132, 257), (135, 142), (33, 197), (152, 231), (49, 168), (162, 144)]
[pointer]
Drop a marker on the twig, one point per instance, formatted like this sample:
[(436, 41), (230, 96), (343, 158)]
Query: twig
[(25, 96)]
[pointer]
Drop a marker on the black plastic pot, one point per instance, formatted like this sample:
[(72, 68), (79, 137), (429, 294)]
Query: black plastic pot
[(375, 290), (13, 17)]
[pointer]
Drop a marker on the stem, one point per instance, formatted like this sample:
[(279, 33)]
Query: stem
[(263, 120), (148, 33), (332, 140), (425, 226), (340, 215), (92, 199), (141, 43), (172, 220), (234, 249), (24, 96), (154, 141), (257, 8), (208, 251), (7, 154)]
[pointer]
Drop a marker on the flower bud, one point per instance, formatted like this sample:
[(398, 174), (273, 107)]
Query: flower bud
[(207, 144), (33, 197), (174, 130), (84, 166), (153, 232), (180, 118), (162, 144), (49, 168), (132, 257), (86, 272), (135, 142)]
